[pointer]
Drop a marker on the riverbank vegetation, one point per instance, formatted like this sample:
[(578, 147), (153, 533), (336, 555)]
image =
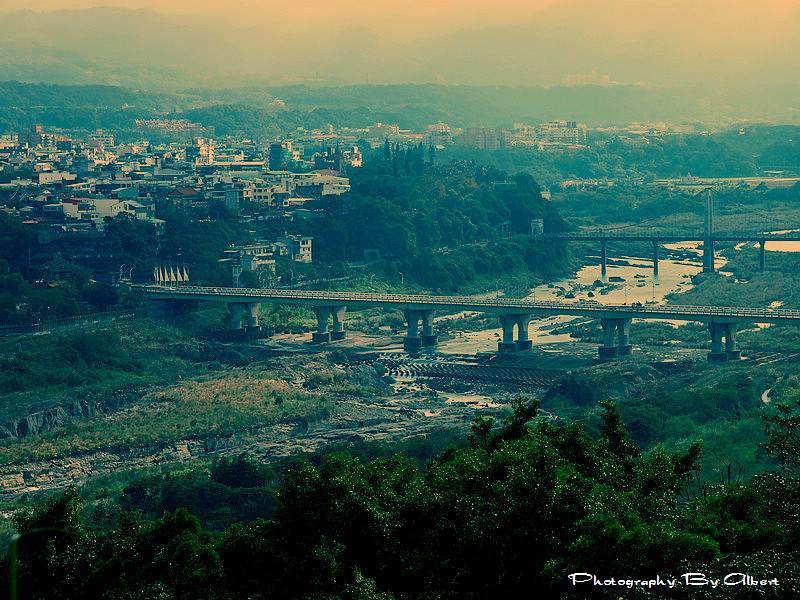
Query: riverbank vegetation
[(88, 364), (149, 384)]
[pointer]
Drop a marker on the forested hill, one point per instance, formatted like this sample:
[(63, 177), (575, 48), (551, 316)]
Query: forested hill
[(32, 95), (261, 111), (73, 106), (447, 227), (527, 509)]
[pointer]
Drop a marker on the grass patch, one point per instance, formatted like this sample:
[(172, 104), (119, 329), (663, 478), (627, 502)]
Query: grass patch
[(38, 371), (232, 401)]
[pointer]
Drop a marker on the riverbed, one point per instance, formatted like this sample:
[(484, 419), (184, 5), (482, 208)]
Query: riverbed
[(628, 280)]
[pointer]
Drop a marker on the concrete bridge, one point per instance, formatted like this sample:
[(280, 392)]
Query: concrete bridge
[(515, 315)]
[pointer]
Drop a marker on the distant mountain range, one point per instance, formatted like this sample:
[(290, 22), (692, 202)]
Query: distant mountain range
[(671, 60), (135, 48), (256, 111)]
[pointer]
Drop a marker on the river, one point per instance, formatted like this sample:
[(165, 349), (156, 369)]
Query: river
[(630, 282), (638, 285)]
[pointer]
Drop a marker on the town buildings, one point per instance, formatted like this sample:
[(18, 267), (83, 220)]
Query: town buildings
[(66, 187), (67, 190)]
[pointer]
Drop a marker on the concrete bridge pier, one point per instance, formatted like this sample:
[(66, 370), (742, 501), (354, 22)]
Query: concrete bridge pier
[(717, 354), (603, 261), (507, 344), (429, 337), (623, 347), (655, 258), (253, 308), (237, 312), (321, 335), (730, 342), (412, 342), (721, 352), (523, 321), (337, 315), (608, 349), (508, 322), (708, 231), (708, 256)]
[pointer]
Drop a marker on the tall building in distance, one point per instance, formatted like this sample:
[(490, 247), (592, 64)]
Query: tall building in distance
[(280, 154), (439, 134), (484, 138)]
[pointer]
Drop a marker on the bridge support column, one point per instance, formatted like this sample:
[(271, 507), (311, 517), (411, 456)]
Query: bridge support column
[(762, 262), (708, 256), (337, 314), (717, 331), (508, 344), (708, 232), (321, 335), (253, 308), (237, 311), (608, 349), (730, 342), (523, 343), (603, 262), (624, 347), (412, 341), (655, 258), (429, 338)]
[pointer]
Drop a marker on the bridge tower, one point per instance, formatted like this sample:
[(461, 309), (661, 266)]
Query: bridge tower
[(708, 242)]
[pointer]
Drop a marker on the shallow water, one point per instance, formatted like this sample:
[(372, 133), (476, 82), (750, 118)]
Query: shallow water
[(638, 285)]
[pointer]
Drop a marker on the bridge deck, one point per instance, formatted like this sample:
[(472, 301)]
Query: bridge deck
[(672, 236), (706, 314)]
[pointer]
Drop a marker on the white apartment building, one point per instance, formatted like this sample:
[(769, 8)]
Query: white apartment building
[(298, 247)]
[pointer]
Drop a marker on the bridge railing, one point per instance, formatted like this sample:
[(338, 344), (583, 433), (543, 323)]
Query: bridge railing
[(687, 236), (591, 308)]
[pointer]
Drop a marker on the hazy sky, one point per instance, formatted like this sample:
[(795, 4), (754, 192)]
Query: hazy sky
[(526, 42), (390, 19), (389, 15), (375, 10)]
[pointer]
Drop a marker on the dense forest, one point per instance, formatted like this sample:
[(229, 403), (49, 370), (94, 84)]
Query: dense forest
[(516, 511), (446, 228)]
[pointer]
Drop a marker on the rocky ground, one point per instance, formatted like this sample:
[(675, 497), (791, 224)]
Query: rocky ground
[(353, 420), (430, 392)]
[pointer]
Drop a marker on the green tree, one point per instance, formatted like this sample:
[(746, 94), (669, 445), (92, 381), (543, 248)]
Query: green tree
[(783, 429), (49, 549)]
